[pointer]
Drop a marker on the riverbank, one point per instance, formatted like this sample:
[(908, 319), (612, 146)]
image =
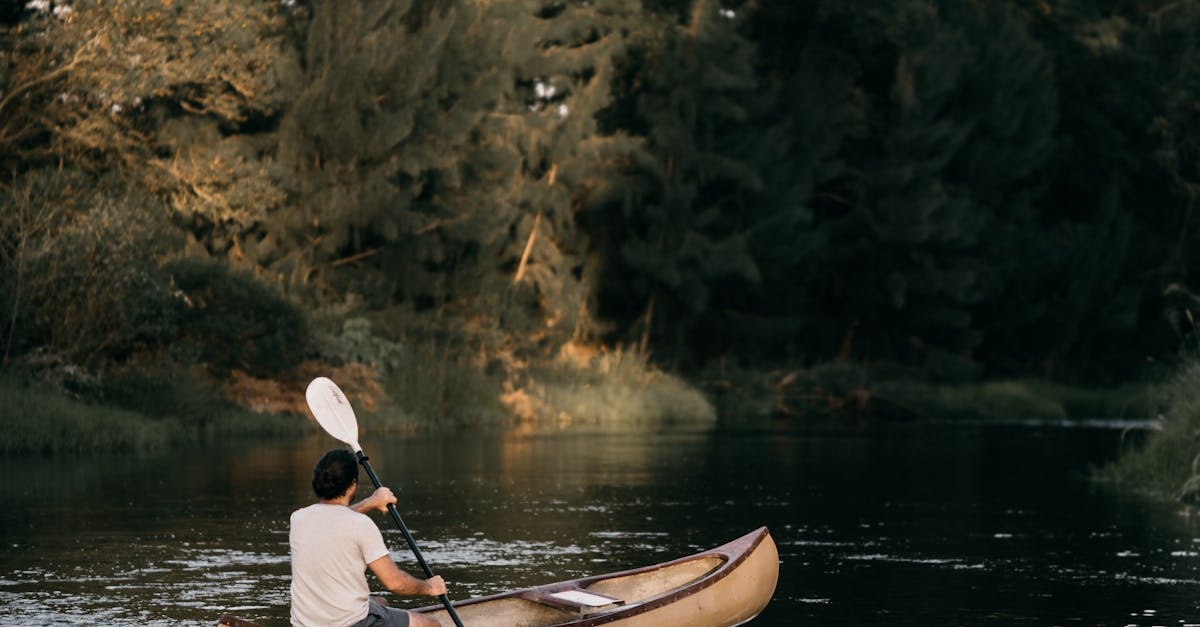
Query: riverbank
[(40, 420), (1167, 463), (840, 390), (426, 390), (613, 391)]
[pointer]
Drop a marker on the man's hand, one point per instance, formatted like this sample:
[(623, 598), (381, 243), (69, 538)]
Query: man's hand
[(379, 499), (435, 586)]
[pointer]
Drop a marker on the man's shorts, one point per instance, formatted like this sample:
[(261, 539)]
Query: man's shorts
[(380, 615)]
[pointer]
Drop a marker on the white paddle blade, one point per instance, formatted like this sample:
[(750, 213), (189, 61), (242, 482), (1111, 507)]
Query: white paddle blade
[(332, 411)]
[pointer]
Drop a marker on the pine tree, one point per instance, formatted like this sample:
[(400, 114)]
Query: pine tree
[(358, 140), (807, 108), (557, 162), (1172, 40), (682, 228), (1104, 215), (442, 151), (958, 112)]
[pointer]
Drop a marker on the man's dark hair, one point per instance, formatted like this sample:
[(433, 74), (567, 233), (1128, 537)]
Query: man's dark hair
[(335, 473)]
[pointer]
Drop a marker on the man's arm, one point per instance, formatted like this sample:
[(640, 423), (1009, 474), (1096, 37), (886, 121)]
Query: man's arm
[(390, 575), (379, 499), (401, 583)]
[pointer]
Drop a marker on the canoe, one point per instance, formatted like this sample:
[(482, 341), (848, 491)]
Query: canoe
[(725, 586)]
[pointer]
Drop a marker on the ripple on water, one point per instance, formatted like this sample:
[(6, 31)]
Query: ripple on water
[(933, 561)]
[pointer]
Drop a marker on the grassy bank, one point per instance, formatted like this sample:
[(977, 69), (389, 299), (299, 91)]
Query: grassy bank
[(841, 390), (1013, 399), (1167, 463), (39, 420), (422, 387), (427, 385)]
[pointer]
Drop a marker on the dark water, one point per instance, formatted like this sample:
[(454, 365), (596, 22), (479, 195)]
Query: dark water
[(925, 524)]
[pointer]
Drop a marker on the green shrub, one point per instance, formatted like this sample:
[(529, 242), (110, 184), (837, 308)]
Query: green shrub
[(82, 258), (990, 400), (41, 421), (1170, 456), (179, 410), (232, 320), (165, 390), (619, 389), (432, 385)]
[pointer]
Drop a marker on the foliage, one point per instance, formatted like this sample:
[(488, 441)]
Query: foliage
[(41, 421), (368, 124), (164, 390), (614, 390), (218, 185), (428, 170), (435, 386), (93, 87), (953, 119), (684, 228), (86, 283), (1168, 460), (937, 192), (232, 320)]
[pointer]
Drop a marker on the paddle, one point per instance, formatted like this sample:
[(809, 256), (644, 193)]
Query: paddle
[(331, 409)]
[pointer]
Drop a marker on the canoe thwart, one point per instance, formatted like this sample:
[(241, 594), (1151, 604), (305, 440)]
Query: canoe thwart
[(573, 599)]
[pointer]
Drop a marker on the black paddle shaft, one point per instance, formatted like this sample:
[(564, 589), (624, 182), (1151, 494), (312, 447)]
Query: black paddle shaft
[(412, 544)]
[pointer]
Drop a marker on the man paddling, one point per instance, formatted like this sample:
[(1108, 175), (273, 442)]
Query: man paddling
[(333, 542)]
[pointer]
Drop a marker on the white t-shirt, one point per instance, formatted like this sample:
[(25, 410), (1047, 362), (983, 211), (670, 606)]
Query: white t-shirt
[(331, 547)]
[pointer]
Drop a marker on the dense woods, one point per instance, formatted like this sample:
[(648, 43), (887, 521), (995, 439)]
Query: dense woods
[(950, 191)]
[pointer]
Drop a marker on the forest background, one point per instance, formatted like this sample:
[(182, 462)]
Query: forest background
[(565, 212)]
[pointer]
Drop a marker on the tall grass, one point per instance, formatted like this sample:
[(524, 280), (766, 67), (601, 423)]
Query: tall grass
[(45, 422), (41, 420), (620, 389), (452, 375), (431, 386), (1009, 399), (1167, 463)]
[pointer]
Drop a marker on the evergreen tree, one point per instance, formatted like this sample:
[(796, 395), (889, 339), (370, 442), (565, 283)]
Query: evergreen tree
[(1091, 277), (445, 150), (997, 187), (958, 116), (1172, 40), (684, 226), (551, 163), (357, 142)]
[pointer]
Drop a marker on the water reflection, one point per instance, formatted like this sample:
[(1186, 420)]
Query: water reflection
[(887, 524)]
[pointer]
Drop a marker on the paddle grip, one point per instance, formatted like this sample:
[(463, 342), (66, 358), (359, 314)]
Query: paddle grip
[(412, 544)]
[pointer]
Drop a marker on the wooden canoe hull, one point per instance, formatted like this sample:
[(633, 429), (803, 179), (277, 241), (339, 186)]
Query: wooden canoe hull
[(721, 587)]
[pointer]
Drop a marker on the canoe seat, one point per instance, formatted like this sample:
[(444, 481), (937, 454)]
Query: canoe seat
[(572, 599)]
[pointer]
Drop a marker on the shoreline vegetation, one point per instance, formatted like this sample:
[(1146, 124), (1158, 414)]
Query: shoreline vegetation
[(1167, 463), (612, 391), (600, 214)]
